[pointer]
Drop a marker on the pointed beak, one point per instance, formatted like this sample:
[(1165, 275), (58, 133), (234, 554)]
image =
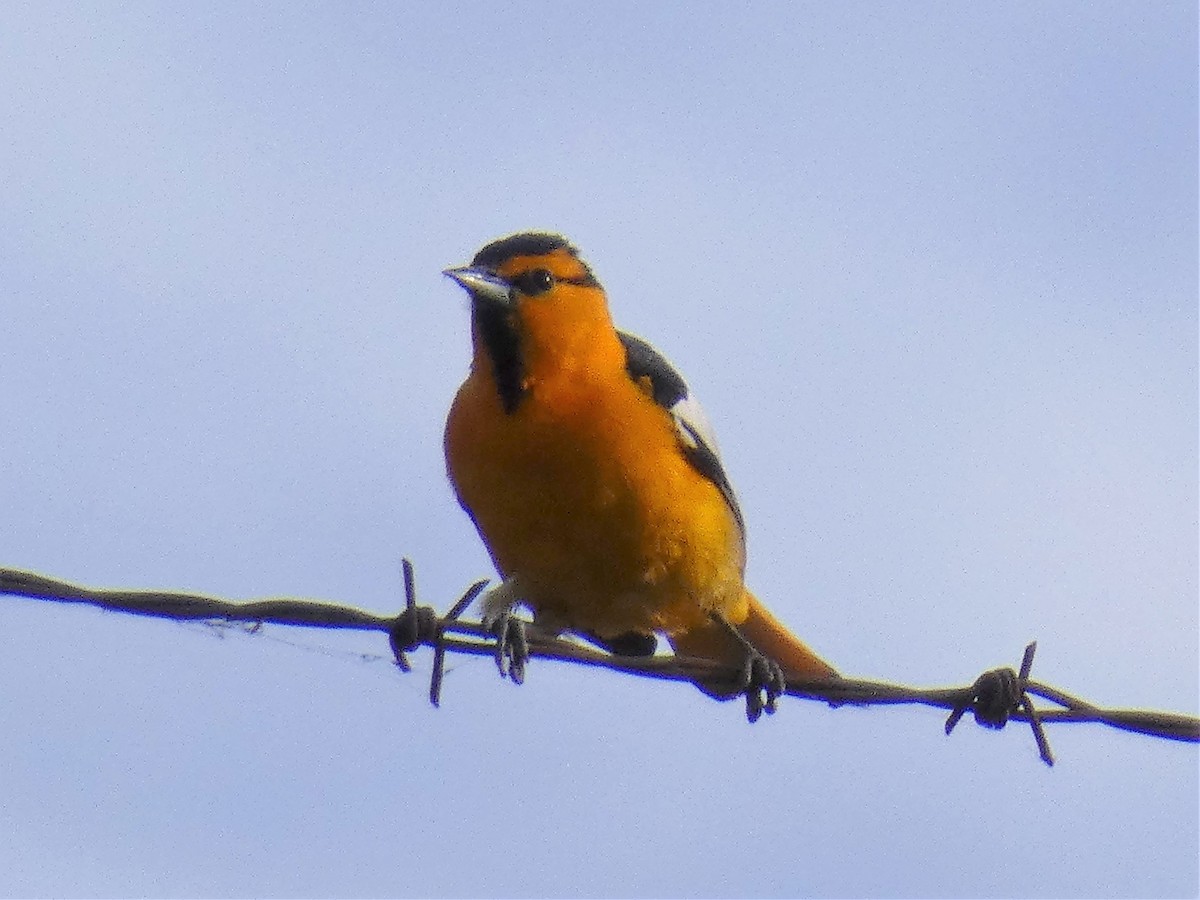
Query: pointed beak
[(482, 285)]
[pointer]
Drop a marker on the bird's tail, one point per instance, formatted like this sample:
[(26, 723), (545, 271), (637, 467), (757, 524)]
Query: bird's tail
[(766, 634)]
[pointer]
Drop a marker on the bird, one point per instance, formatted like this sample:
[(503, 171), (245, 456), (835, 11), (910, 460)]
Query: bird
[(593, 478)]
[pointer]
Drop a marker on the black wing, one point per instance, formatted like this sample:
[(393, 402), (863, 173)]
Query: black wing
[(670, 391)]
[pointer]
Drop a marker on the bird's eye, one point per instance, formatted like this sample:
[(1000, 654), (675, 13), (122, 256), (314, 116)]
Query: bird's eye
[(534, 282)]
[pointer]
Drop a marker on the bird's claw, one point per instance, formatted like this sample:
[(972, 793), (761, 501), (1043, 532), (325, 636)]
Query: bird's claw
[(762, 683), (512, 645), (498, 615), (761, 680)]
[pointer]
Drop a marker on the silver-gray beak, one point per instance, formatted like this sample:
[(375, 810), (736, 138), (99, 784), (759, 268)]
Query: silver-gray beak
[(482, 285)]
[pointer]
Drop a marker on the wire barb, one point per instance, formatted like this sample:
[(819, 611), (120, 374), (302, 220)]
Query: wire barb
[(995, 698), (416, 626), (439, 642), (1035, 721)]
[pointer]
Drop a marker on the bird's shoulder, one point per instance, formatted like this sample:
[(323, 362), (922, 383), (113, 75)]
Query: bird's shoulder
[(647, 366)]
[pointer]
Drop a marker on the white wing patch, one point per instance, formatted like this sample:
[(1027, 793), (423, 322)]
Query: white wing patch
[(696, 435), (694, 428)]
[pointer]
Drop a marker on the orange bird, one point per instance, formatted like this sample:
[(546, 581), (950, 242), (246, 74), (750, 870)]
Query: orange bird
[(594, 480)]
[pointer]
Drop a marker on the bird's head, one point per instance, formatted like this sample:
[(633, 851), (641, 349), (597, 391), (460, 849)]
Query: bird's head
[(536, 307)]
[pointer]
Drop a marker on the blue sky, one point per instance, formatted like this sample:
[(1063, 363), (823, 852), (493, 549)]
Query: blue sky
[(933, 271)]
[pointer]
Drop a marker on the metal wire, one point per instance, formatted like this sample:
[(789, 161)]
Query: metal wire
[(995, 698)]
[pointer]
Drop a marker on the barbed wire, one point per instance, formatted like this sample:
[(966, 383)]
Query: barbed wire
[(995, 698)]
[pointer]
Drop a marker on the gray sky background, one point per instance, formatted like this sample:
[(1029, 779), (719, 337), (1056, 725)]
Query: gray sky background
[(932, 269)]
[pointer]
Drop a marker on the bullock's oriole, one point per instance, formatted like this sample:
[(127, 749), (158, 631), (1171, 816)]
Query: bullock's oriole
[(593, 477)]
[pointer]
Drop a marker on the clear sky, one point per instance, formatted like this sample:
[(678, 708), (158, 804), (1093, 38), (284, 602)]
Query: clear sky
[(932, 269)]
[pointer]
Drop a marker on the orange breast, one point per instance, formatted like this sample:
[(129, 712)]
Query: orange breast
[(583, 496)]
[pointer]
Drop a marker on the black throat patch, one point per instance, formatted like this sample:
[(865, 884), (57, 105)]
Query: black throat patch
[(497, 326)]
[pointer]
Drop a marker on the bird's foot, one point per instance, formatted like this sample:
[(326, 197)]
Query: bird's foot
[(761, 680), (512, 646), (763, 683)]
